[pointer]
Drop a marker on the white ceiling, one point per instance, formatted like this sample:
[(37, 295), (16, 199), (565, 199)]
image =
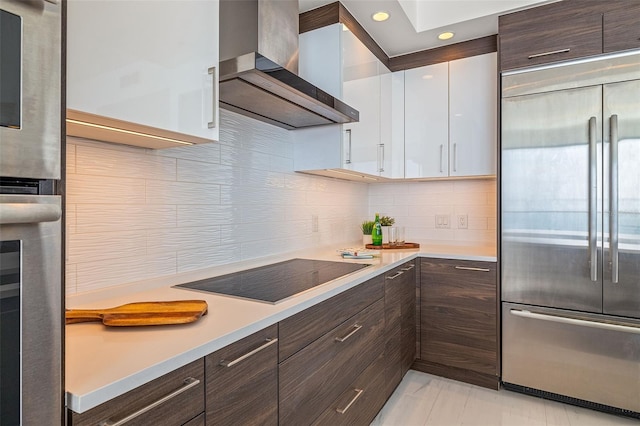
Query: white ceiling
[(415, 24)]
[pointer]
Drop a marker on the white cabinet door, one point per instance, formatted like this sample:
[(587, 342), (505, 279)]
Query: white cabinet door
[(392, 124), (364, 152), (340, 64), (151, 63), (473, 115), (426, 121)]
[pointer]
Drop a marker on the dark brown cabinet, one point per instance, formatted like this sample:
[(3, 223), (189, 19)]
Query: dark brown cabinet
[(459, 321), (566, 30), (621, 28), (361, 401), (242, 381), (548, 33), (408, 316), (317, 376), (173, 399), (393, 281)]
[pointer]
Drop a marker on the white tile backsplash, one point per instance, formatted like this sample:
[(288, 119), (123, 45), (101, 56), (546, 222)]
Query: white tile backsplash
[(135, 213), (415, 205)]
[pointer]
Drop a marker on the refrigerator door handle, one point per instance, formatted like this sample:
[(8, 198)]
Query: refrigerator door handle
[(593, 200), (613, 196), (575, 321)]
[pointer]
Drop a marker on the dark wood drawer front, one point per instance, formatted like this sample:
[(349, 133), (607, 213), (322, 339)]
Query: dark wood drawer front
[(360, 403), (408, 316), (621, 28), (298, 331), (550, 33), (198, 421), (246, 391), (459, 314), (313, 378), (175, 411)]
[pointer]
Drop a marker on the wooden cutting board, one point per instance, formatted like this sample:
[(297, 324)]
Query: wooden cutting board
[(142, 313)]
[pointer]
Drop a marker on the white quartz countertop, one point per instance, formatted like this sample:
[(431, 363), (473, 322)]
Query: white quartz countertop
[(105, 362)]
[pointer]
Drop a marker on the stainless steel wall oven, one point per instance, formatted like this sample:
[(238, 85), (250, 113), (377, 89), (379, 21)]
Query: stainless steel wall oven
[(31, 296)]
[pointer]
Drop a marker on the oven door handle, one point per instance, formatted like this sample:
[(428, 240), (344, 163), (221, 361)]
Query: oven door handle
[(11, 213)]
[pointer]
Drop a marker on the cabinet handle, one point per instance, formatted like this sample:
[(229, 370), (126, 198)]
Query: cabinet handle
[(441, 152), (469, 268), (344, 410), (189, 382), (455, 157), (408, 268), (348, 160), (394, 276), (553, 52), (268, 343), (356, 327), (381, 158), (212, 73)]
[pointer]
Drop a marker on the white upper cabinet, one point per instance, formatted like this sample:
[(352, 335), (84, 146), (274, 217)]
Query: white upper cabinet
[(451, 118), (426, 121), (336, 61), (473, 115), (146, 67)]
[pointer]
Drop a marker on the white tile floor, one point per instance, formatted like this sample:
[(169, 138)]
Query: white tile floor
[(422, 399)]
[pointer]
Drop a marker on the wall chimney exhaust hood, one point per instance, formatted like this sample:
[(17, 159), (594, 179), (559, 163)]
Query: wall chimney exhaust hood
[(259, 65)]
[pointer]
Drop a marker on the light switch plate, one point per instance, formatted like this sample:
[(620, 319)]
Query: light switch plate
[(443, 221), (463, 221)]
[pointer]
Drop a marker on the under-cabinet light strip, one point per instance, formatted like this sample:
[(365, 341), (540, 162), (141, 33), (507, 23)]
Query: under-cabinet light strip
[(351, 174), (130, 132)]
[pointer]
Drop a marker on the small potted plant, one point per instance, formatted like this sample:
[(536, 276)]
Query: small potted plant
[(386, 222), (367, 228)]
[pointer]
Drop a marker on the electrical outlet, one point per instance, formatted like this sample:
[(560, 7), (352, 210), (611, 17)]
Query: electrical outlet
[(314, 223), (463, 221), (442, 221)]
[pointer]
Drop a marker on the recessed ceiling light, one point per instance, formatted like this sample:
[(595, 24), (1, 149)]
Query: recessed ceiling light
[(446, 36), (380, 16)]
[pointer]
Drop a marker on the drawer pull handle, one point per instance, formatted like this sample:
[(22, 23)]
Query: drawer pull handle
[(408, 268), (553, 52), (189, 382), (468, 268), (356, 327), (268, 343), (344, 410), (394, 276)]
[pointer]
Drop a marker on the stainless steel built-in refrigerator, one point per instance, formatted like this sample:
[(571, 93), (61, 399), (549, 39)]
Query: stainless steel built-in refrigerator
[(570, 231)]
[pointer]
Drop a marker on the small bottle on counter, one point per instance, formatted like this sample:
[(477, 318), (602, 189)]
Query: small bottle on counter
[(376, 233)]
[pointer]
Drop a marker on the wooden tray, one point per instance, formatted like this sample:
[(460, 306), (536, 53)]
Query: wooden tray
[(389, 247), (142, 313)]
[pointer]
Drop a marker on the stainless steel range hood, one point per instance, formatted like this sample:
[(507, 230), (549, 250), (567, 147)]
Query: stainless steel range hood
[(259, 64)]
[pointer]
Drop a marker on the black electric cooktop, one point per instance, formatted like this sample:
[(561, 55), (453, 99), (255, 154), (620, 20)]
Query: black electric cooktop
[(276, 282)]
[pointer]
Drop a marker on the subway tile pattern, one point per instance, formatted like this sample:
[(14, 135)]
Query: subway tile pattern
[(415, 205), (135, 214)]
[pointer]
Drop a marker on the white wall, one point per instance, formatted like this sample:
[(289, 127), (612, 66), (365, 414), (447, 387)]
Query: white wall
[(415, 205), (135, 213)]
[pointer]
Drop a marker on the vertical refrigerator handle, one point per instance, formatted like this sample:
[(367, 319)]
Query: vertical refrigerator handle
[(613, 196), (593, 200)]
